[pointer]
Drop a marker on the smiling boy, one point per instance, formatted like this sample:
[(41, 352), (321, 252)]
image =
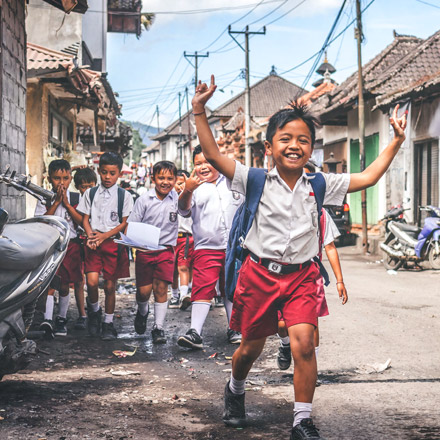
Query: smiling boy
[(155, 269), (105, 208), (283, 235)]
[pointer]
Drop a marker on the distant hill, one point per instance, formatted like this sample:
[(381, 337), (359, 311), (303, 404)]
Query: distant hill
[(145, 131)]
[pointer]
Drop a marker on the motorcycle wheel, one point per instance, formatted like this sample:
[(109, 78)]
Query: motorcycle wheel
[(389, 262), (434, 260)]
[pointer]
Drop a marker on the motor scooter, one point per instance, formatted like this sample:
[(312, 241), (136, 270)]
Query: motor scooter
[(408, 243), (31, 251)]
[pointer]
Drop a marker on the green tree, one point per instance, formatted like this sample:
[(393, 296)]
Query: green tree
[(138, 146)]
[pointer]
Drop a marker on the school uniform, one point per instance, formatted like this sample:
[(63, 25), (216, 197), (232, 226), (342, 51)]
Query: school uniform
[(284, 233), (213, 207), (163, 214), (70, 270), (184, 249), (104, 217)]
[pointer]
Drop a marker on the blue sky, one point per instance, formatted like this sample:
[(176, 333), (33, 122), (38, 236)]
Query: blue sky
[(152, 70)]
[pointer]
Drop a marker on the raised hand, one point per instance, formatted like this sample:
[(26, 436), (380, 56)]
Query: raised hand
[(398, 124), (193, 181), (203, 94)]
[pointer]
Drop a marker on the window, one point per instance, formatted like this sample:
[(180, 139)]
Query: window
[(61, 131)]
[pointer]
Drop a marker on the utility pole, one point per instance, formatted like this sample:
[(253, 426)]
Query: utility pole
[(361, 115), (196, 57), (247, 94), (187, 117), (157, 117), (180, 132)]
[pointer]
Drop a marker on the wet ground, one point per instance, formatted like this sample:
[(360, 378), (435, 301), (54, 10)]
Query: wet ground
[(76, 388)]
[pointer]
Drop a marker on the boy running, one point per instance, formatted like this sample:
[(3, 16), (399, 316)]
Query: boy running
[(154, 270), (283, 236), (105, 210)]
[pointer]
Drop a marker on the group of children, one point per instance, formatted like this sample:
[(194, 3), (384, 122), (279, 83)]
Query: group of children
[(279, 288)]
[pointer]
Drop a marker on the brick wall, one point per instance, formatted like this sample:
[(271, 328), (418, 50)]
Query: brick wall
[(13, 100)]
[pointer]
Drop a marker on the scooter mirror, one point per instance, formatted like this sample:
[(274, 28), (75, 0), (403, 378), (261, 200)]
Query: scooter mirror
[(4, 216)]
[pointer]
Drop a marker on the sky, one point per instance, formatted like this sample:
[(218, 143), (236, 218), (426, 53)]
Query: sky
[(152, 70)]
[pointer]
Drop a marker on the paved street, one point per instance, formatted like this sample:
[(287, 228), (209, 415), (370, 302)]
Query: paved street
[(71, 391)]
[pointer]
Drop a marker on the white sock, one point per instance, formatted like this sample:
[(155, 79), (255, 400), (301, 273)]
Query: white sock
[(236, 386), (175, 293), (94, 306), (301, 411), (184, 291), (199, 313), (143, 307), (48, 314), (108, 318), (160, 311), (316, 352), (63, 305), (190, 285), (228, 308), (285, 340)]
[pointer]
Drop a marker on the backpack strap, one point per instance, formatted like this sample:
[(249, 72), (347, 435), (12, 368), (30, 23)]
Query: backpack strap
[(92, 194), (73, 198), (121, 196)]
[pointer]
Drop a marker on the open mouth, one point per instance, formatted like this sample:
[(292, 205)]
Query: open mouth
[(293, 157)]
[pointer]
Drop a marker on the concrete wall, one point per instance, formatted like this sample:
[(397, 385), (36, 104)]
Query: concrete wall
[(13, 100), (52, 28), (94, 30)]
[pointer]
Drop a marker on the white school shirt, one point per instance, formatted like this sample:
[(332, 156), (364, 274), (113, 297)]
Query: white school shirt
[(151, 210), (61, 211), (285, 227), (185, 224), (104, 211), (213, 207), (331, 230)]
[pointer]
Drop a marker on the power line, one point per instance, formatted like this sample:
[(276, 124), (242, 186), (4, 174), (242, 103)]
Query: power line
[(429, 4)]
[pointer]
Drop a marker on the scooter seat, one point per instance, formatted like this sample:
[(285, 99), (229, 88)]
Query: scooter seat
[(23, 246), (407, 228)]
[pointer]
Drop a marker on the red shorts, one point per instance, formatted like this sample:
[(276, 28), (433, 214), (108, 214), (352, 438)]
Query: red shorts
[(208, 268), (260, 294), (71, 269), (180, 251), (105, 259), (157, 265)]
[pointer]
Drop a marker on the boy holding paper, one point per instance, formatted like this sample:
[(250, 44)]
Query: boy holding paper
[(154, 269)]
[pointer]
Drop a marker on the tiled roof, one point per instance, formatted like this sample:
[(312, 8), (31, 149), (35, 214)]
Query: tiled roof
[(73, 49), (42, 58), (268, 96), (381, 66), (125, 5)]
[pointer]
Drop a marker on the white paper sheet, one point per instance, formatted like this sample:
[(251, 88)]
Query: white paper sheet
[(141, 236)]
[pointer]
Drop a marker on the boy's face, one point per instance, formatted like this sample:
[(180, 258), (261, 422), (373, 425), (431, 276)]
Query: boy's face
[(164, 182), (291, 146), (109, 175), (180, 184), (60, 178), (204, 170), (83, 187)]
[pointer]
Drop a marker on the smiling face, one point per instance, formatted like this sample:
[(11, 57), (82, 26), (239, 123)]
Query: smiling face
[(109, 175), (204, 170), (180, 184), (164, 182), (60, 178), (291, 146)]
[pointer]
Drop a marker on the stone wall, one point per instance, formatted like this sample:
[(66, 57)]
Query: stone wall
[(13, 100)]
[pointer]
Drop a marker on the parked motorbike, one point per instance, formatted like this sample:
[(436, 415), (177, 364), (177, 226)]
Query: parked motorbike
[(408, 243), (31, 251), (395, 213)]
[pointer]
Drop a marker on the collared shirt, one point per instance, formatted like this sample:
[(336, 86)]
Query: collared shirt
[(185, 224), (61, 211), (331, 230), (285, 227), (151, 210), (213, 207), (104, 211)]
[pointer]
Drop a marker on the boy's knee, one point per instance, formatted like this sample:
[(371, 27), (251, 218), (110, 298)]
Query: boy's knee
[(303, 348)]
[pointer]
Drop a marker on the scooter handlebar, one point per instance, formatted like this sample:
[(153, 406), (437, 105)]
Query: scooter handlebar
[(46, 194)]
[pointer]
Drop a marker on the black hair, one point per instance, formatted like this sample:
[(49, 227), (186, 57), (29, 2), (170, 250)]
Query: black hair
[(182, 172), (59, 165), (164, 165), (125, 184), (197, 150), (84, 175), (310, 166), (296, 110), (110, 158)]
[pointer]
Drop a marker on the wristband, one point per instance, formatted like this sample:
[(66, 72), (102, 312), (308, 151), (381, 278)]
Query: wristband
[(339, 282), (201, 113)]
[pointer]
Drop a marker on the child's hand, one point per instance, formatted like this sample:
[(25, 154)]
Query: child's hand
[(192, 182), (203, 94), (342, 291), (398, 124), (97, 238), (91, 244), (59, 196), (65, 200)]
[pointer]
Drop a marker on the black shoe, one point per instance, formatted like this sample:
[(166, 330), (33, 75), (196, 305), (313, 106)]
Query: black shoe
[(140, 323), (158, 336), (60, 326), (305, 430), (191, 339), (234, 337), (185, 303), (108, 332), (234, 413), (47, 327), (218, 301), (174, 302), (94, 321), (81, 323), (284, 358)]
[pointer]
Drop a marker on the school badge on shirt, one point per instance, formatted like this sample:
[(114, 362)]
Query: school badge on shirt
[(173, 217), (235, 195), (114, 216)]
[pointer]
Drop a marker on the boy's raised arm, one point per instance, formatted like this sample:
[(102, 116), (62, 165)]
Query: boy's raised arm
[(371, 175), (210, 149)]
